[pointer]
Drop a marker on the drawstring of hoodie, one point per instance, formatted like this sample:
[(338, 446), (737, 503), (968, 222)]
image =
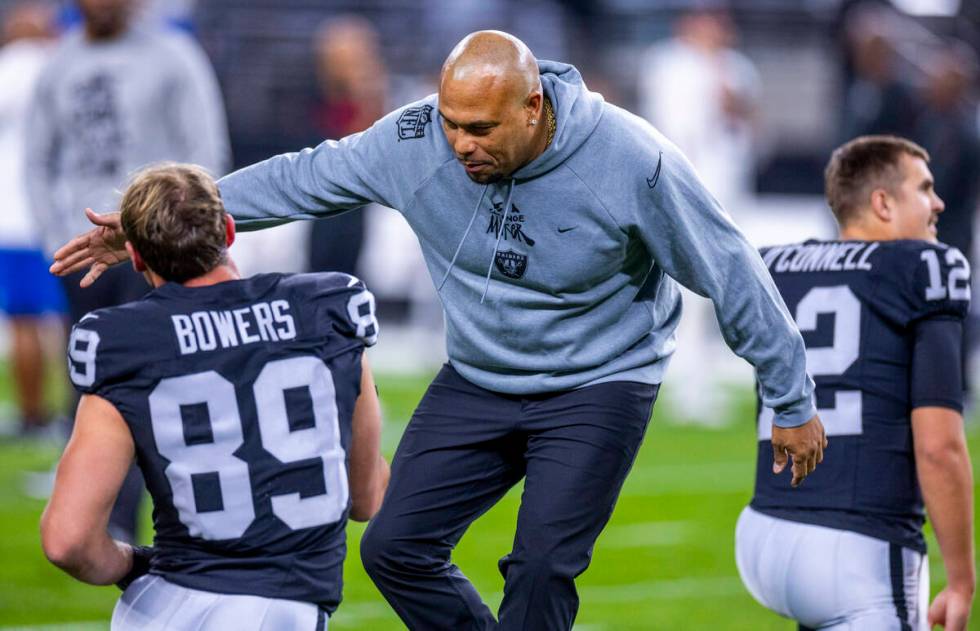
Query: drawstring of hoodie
[(500, 232), (476, 211), (496, 245)]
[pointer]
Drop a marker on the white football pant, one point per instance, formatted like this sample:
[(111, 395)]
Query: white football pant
[(153, 604), (831, 579)]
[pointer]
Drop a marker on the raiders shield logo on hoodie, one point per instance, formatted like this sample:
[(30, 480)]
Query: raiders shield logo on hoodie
[(511, 264)]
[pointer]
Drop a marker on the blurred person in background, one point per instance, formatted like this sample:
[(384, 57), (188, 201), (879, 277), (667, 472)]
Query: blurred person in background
[(117, 94), (882, 310), (375, 243), (876, 98), (701, 93), (27, 291), (353, 86), (946, 126)]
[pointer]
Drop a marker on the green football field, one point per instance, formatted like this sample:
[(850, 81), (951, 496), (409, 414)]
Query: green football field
[(665, 561)]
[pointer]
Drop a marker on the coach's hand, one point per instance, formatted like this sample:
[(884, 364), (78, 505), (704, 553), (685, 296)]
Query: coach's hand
[(950, 609), (805, 444), (98, 249)]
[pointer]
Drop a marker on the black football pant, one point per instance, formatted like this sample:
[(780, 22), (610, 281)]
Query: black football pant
[(463, 449), (117, 285)]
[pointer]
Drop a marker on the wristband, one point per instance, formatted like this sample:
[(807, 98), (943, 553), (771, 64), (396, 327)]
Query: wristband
[(142, 555)]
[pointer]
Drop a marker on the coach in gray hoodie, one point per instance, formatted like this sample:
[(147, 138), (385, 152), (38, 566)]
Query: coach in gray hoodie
[(554, 226)]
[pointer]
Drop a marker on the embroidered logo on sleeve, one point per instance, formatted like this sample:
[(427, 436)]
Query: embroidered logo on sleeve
[(412, 122)]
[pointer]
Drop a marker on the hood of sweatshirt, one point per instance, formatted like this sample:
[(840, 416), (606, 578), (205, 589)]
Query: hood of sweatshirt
[(577, 112)]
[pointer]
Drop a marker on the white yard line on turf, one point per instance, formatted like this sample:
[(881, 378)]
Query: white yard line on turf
[(708, 477), (669, 589), (653, 533), (694, 587)]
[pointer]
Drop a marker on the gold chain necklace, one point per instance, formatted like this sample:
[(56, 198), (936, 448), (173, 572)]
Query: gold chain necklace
[(549, 114)]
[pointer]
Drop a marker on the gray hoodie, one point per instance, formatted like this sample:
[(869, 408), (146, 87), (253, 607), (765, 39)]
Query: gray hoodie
[(562, 276)]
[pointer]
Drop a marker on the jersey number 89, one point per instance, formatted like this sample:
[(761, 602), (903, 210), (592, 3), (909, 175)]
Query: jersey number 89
[(217, 458)]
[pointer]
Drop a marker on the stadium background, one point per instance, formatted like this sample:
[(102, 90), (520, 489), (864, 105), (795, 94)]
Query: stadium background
[(666, 559)]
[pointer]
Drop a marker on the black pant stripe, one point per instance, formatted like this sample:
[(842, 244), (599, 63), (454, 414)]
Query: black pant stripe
[(898, 585), (321, 620), (802, 628)]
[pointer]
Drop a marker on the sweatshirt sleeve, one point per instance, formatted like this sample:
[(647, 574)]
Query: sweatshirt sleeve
[(695, 241), (40, 162), (199, 113), (384, 164)]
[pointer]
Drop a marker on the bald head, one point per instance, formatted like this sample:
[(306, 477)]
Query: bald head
[(492, 60), (491, 105)]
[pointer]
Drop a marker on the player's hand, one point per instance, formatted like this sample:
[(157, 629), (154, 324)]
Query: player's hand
[(950, 610), (98, 249), (804, 444)]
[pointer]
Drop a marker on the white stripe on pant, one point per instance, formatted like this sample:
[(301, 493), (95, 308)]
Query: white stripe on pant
[(154, 604), (828, 579)]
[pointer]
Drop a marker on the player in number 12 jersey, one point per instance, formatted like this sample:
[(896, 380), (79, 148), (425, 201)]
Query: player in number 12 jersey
[(251, 411), (881, 312)]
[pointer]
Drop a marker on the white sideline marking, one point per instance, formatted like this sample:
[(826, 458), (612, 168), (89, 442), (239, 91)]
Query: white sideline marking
[(653, 533), (663, 589), (709, 477), (668, 589)]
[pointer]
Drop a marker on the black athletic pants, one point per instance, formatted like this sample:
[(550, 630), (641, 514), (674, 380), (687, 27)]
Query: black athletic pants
[(463, 449), (117, 285)]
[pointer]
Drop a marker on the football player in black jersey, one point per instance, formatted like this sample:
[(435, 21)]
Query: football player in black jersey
[(881, 311), (250, 408)]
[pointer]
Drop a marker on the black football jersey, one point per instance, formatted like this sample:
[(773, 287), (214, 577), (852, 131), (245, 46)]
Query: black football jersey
[(859, 305), (239, 397)]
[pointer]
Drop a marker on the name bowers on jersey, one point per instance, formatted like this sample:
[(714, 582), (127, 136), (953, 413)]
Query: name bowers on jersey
[(260, 322), (820, 257)]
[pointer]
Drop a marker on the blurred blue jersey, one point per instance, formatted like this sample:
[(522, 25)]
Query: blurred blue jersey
[(240, 397), (882, 323)]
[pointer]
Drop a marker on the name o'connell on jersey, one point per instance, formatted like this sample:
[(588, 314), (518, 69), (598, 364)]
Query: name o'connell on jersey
[(207, 330), (820, 257)]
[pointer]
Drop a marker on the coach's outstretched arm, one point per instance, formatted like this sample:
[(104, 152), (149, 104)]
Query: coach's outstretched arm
[(335, 176), (696, 243)]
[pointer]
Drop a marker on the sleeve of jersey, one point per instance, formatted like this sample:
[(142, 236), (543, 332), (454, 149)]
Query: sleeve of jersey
[(922, 281), (937, 364), (90, 366), (345, 304)]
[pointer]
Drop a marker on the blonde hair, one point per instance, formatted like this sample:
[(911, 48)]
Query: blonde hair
[(173, 216)]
